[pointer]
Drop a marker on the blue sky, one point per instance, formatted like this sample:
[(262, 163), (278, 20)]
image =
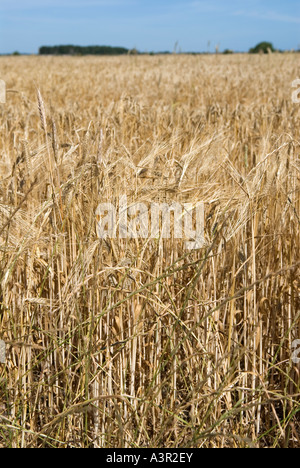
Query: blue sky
[(149, 25)]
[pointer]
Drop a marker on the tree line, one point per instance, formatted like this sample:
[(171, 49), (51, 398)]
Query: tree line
[(262, 47), (82, 50)]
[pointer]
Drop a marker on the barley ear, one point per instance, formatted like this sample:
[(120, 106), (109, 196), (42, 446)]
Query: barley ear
[(100, 148), (54, 140), (42, 111)]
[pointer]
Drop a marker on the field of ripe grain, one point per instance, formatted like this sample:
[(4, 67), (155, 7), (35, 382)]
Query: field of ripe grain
[(140, 342)]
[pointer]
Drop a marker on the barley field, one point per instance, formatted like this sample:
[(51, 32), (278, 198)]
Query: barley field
[(122, 342)]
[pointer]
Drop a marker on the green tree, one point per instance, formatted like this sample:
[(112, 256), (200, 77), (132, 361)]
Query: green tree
[(262, 47)]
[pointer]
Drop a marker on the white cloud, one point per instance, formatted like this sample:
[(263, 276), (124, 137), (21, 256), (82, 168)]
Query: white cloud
[(269, 15), (21, 5), (251, 9)]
